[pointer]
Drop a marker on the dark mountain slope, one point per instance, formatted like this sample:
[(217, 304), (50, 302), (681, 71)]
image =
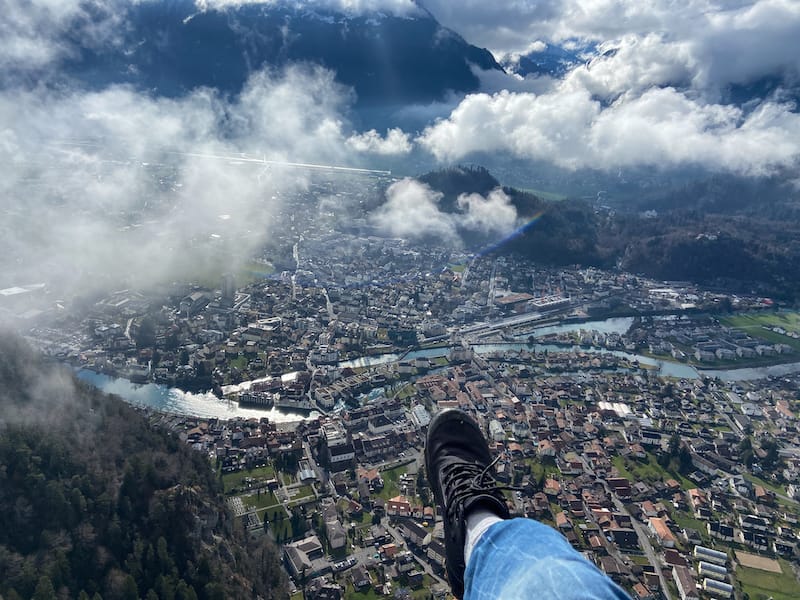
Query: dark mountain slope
[(738, 235), (561, 233), (95, 501), (170, 48)]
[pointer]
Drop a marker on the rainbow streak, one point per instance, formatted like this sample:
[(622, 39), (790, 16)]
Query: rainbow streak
[(511, 236)]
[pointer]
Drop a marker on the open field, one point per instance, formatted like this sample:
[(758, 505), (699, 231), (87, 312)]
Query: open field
[(648, 470), (767, 484), (753, 561), (237, 480), (264, 500), (755, 325), (391, 477), (760, 585)]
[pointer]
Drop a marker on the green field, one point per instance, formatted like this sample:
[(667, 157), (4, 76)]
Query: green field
[(754, 325), (457, 268), (760, 585), (764, 483), (685, 519), (240, 362), (639, 559), (260, 501), (407, 391), (269, 509), (236, 480), (390, 478), (649, 471), (352, 594)]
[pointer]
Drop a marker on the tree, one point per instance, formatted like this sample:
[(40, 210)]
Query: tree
[(771, 461), (146, 333), (674, 444), (44, 589)]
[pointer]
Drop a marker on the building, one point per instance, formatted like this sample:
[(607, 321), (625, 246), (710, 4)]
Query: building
[(341, 452), (193, 303), (710, 555), (420, 416), (706, 569), (399, 506), (436, 552), (718, 589), (684, 581), (658, 526), (228, 287), (305, 557), (414, 533)]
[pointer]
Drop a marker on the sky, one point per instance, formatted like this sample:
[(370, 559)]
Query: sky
[(75, 164), (653, 95)]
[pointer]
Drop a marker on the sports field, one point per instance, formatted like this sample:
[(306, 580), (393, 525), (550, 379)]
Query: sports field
[(758, 562), (764, 326), (760, 584)]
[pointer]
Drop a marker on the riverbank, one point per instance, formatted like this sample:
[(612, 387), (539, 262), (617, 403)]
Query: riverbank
[(176, 401)]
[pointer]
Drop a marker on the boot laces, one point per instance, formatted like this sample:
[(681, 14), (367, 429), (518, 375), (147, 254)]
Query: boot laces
[(463, 480)]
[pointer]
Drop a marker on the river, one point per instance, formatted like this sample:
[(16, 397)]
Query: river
[(177, 401), (207, 405)]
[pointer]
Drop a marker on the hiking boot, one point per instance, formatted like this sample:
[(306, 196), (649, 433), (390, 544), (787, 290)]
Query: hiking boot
[(459, 469)]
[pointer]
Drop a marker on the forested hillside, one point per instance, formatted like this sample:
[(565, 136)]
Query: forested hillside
[(95, 502), (727, 232)]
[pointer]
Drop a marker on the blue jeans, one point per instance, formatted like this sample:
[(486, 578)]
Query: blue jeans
[(522, 558)]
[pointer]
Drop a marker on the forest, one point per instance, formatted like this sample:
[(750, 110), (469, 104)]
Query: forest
[(97, 502), (724, 232)]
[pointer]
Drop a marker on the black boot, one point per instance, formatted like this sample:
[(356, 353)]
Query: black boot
[(459, 466)]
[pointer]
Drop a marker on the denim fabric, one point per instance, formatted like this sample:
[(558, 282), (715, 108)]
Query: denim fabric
[(522, 558)]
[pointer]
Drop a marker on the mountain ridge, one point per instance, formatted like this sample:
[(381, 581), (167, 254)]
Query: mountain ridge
[(172, 48)]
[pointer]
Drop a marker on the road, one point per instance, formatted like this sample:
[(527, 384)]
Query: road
[(424, 565), (644, 539), (644, 542)]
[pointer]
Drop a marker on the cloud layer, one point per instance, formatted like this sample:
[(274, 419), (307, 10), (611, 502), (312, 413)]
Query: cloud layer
[(661, 127), (118, 186), (739, 36), (656, 91), (412, 211)]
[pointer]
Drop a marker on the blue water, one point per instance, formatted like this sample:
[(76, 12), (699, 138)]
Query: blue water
[(174, 400), (753, 373)]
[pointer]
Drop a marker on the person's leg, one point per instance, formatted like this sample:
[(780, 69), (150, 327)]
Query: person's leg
[(518, 559), (507, 558)]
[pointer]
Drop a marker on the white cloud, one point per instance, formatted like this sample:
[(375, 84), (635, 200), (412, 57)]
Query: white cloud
[(493, 213), (652, 95), (396, 142), (411, 211), (121, 185), (634, 64), (31, 30), (661, 127), (721, 42)]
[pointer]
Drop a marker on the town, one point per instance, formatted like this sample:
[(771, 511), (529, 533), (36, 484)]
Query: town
[(676, 488), (653, 423)]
